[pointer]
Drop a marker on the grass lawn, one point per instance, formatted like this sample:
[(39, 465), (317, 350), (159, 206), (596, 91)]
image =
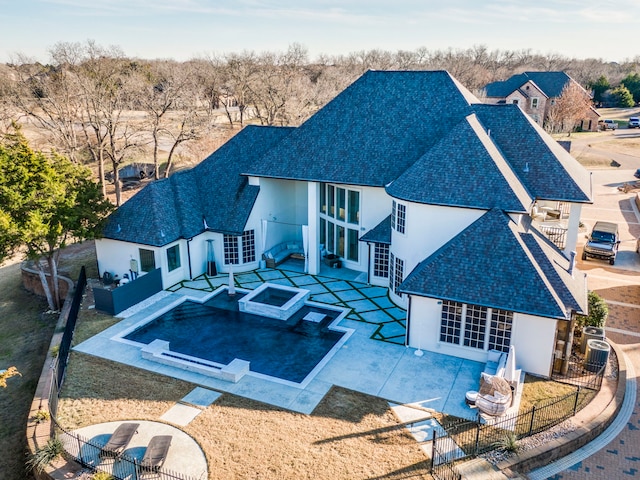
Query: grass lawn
[(24, 338)]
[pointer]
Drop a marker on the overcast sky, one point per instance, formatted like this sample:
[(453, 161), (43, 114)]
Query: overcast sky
[(182, 29)]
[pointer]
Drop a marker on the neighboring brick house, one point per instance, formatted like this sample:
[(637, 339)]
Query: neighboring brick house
[(536, 93)]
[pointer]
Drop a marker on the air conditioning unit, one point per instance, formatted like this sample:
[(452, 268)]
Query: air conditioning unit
[(590, 333)]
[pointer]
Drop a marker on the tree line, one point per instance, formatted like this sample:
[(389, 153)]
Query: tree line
[(101, 108)]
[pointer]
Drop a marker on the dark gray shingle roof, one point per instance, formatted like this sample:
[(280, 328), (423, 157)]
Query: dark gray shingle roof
[(372, 131), (493, 263), (214, 190), (545, 169), (464, 169), (381, 233), (551, 83)]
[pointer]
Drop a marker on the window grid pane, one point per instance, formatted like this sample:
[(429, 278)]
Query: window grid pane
[(451, 322), (331, 239), (392, 261), (340, 231), (147, 260), (401, 216), (381, 260), (352, 245), (231, 250), (475, 326), (323, 198), (248, 246), (500, 330), (398, 273), (354, 207), (331, 200), (342, 203), (393, 215)]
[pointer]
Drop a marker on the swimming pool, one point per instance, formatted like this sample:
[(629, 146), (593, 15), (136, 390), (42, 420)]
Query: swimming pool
[(217, 331)]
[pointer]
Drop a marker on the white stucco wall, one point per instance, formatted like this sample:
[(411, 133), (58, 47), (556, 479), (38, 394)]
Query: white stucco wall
[(428, 227), (114, 256), (533, 337)]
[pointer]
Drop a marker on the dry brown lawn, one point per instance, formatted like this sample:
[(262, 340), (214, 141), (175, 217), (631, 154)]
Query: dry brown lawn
[(348, 436)]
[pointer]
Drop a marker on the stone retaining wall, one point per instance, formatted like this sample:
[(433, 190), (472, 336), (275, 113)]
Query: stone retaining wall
[(591, 420)]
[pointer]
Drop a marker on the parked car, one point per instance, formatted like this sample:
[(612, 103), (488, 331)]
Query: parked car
[(607, 125), (637, 174), (603, 242), (634, 122)]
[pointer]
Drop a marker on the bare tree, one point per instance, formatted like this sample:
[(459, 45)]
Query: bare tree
[(568, 109)]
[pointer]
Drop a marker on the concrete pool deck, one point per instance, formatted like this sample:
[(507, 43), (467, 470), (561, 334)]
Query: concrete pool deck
[(372, 361)]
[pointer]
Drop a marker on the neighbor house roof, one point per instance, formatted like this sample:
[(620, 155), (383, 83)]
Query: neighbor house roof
[(473, 268), (371, 132), (551, 84), (211, 196)]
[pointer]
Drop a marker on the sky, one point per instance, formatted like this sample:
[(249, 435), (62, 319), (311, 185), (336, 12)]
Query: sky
[(184, 29)]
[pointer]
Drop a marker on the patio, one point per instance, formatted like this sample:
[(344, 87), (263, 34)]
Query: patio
[(373, 360)]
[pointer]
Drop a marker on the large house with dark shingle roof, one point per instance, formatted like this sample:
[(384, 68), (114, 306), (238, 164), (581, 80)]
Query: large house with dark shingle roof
[(536, 93), (409, 179)]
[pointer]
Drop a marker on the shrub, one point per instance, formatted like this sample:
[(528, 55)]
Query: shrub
[(598, 312), (509, 443), (102, 476), (45, 455), (41, 416)]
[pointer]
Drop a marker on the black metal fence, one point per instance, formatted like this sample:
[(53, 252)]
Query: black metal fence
[(558, 235), (466, 438), (89, 454), (65, 343), (582, 374)]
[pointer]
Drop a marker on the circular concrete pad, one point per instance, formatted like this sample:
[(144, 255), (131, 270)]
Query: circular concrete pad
[(185, 455)]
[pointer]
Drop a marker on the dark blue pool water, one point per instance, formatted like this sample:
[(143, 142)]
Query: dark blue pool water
[(218, 332)]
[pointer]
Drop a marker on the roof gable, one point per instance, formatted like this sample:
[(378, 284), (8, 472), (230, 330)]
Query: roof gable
[(550, 84), (464, 169), (489, 264), (372, 131), (546, 169)]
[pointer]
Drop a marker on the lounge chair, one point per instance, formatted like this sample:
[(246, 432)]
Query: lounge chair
[(156, 453), (119, 439)]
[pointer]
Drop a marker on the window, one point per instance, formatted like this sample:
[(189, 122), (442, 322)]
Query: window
[(231, 250), (381, 260), (516, 101), (147, 260), (248, 246), (500, 330), (535, 102), (398, 216), (451, 322), (339, 212), (331, 200), (463, 324), (234, 245), (352, 245), (396, 272), (342, 203), (475, 326), (173, 257), (354, 207)]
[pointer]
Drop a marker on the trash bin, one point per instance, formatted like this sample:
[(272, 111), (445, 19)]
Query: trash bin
[(597, 355)]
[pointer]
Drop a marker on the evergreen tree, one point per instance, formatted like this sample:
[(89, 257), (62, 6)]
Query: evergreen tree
[(45, 201)]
